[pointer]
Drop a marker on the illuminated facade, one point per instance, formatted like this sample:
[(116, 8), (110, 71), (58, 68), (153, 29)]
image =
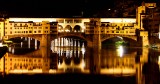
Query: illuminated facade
[(23, 64), (19, 26), (30, 27), (1, 29)]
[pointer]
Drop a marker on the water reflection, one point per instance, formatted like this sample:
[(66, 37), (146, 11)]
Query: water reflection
[(72, 55)]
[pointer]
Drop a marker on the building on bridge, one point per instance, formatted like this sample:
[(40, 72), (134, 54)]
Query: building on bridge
[(12, 27)]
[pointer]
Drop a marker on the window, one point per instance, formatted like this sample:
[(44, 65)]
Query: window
[(60, 21), (39, 31), (69, 21), (30, 31), (77, 21), (117, 31)]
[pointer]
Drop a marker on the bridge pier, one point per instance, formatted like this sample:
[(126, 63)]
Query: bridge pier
[(45, 45), (45, 41), (97, 53), (145, 40), (95, 46)]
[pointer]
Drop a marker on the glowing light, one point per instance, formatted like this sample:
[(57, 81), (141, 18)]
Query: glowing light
[(13, 50), (59, 64), (1, 45), (120, 37), (32, 19), (83, 63), (119, 20), (83, 50), (120, 51)]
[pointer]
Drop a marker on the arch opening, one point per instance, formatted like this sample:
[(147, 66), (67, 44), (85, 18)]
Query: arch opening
[(68, 28), (118, 40), (77, 28)]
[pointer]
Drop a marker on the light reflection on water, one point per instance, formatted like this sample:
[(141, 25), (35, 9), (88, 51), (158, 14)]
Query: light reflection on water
[(71, 55)]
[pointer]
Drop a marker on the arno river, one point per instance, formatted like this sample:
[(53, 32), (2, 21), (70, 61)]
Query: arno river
[(73, 56)]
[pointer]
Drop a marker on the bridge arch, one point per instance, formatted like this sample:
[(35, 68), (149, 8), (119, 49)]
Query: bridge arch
[(68, 28), (77, 28), (78, 35), (37, 37), (128, 41), (60, 28), (105, 37)]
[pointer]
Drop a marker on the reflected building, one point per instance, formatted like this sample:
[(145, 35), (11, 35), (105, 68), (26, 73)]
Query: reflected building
[(61, 59), (21, 64), (118, 62)]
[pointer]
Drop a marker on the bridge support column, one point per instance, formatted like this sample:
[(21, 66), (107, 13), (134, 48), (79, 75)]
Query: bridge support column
[(45, 41), (45, 45), (97, 53), (89, 44), (145, 41)]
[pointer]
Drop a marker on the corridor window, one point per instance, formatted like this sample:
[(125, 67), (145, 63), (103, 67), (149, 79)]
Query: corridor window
[(77, 21), (60, 21), (30, 31), (39, 31), (69, 21)]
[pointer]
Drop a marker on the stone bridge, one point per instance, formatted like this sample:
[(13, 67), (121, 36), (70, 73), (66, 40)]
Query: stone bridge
[(108, 36), (34, 36), (46, 39)]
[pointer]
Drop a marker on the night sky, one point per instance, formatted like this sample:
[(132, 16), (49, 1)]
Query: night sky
[(54, 8), (60, 8)]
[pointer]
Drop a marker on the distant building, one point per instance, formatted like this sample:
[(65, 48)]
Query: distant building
[(151, 15)]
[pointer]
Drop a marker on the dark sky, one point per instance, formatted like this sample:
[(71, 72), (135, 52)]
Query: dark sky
[(53, 7)]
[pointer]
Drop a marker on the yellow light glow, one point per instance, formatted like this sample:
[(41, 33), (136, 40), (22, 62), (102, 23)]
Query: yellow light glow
[(83, 64), (119, 20), (118, 71), (32, 19), (83, 50), (120, 51)]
